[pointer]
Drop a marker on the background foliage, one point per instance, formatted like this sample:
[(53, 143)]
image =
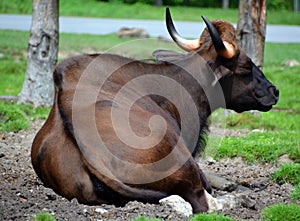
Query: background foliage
[(140, 10), (274, 4)]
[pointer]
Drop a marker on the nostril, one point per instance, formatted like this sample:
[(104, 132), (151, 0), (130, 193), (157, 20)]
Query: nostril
[(275, 91)]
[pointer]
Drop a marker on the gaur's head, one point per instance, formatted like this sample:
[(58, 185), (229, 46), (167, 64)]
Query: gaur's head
[(244, 85)]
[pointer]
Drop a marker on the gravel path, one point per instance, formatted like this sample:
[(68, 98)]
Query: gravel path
[(22, 194)]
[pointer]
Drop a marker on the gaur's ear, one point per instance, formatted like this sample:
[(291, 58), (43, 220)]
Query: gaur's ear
[(168, 56), (223, 48)]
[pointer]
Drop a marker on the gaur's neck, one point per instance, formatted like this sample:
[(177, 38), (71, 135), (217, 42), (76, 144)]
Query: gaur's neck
[(201, 91)]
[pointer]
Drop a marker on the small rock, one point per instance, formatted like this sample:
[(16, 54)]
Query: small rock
[(237, 161), (257, 130), (213, 204), (51, 196), (74, 202), (291, 63), (229, 201), (283, 160), (247, 202), (163, 39), (101, 210), (287, 187), (241, 188), (210, 161), (178, 204), (23, 200), (220, 183), (132, 33)]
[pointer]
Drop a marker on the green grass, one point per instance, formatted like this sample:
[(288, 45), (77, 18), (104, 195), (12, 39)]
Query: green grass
[(268, 121), (42, 216), (288, 173), (261, 147), (285, 78), (295, 194), (198, 217), (93, 8), (13, 46), (143, 218), (14, 117), (74, 44), (210, 217), (280, 212)]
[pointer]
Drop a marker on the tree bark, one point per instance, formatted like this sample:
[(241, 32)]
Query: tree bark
[(38, 87), (158, 2), (225, 4), (186, 2), (251, 29)]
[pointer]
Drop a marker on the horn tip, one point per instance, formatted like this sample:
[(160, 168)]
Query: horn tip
[(204, 19), (168, 11)]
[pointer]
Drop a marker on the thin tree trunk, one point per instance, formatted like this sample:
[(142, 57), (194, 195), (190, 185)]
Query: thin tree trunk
[(186, 2), (42, 54), (251, 29), (225, 4), (158, 2)]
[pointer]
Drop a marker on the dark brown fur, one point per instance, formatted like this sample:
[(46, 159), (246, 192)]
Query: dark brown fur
[(64, 161)]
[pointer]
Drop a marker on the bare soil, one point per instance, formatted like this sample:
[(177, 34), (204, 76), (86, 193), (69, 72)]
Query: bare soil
[(22, 194)]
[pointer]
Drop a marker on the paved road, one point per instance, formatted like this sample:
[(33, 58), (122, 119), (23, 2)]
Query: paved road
[(275, 33)]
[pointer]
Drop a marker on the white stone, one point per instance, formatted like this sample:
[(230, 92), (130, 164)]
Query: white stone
[(228, 201), (257, 130), (210, 161), (100, 210), (213, 204), (291, 63), (178, 204)]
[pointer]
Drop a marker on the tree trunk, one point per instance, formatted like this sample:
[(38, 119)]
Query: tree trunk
[(158, 2), (38, 87), (186, 2), (251, 29), (225, 4)]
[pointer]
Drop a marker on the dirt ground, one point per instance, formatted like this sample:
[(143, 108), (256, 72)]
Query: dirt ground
[(22, 194)]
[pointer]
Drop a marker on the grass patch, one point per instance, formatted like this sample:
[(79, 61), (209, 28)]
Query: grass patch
[(71, 44), (12, 118), (268, 121), (280, 212), (288, 173), (198, 217), (115, 9), (13, 46), (210, 217), (143, 218), (42, 216), (15, 117), (261, 147), (295, 194)]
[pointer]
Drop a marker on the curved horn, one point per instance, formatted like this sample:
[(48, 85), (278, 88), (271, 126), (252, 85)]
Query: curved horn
[(223, 48), (185, 44)]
